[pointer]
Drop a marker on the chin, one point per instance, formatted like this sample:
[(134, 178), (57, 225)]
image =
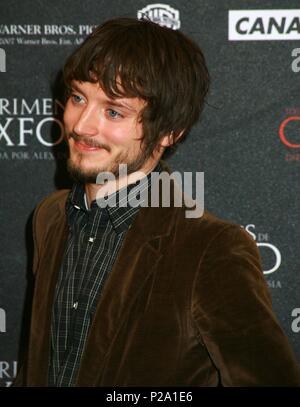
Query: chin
[(82, 174)]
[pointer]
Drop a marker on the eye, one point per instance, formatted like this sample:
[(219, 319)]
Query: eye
[(113, 114), (76, 98)]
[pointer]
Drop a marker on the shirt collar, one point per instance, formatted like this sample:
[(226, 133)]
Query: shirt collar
[(121, 217)]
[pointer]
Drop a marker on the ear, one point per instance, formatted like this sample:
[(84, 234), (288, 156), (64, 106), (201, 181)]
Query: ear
[(168, 139)]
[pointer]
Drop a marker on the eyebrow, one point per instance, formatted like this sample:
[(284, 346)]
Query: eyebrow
[(113, 103), (108, 101)]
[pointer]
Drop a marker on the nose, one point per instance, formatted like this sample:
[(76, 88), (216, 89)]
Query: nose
[(87, 122)]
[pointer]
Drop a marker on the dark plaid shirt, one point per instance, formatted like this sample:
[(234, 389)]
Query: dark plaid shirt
[(95, 238)]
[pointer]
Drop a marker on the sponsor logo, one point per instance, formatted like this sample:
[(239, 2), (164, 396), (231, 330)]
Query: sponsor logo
[(8, 371), (26, 123), (289, 134), (48, 34), (285, 132), (2, 320), (161, 14), (263, 25), (296, 322), (2, 60), (271, 256)]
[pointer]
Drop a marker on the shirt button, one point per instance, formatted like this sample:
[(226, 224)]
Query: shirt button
[(91, 239), (75, 305)]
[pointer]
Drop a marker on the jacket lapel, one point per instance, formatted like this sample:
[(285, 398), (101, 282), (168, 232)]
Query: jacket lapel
[(136, 261)]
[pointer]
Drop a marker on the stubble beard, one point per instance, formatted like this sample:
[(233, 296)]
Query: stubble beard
[(89, 176)]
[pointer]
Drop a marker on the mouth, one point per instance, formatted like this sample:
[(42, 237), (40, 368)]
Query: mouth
[(84, 147)]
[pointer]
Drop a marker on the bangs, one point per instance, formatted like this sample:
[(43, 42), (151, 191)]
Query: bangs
[(115, 63)]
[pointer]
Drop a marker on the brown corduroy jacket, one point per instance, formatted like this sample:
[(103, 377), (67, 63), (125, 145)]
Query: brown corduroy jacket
[(186, 304)]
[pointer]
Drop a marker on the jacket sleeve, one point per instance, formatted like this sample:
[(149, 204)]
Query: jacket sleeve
[(39, 224), (20, 380), (233, 313)]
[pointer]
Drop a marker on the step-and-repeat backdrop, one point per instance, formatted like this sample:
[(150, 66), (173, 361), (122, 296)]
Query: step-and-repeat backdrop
[(247, 142)]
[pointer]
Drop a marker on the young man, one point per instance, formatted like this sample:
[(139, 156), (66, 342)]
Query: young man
[(143, 296)]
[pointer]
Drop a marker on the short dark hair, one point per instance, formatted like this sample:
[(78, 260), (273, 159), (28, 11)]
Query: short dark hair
[(160, 65)]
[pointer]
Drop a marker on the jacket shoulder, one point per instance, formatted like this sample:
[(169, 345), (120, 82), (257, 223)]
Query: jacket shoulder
[(49, 210), (56, 197), (224, 231), (210, 230)]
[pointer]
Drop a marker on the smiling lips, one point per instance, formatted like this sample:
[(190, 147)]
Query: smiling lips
[(84, 147)]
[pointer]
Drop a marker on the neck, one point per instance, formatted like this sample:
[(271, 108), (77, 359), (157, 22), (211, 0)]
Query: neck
[(94, 191)]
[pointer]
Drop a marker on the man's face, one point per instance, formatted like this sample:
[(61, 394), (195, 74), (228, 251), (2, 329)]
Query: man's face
[(103, 133)]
